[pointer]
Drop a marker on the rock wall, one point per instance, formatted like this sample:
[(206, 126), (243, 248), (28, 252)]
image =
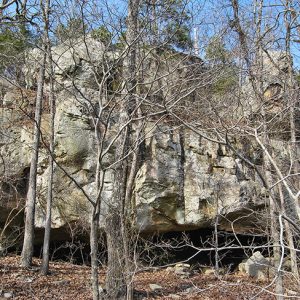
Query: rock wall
[(183, 183)]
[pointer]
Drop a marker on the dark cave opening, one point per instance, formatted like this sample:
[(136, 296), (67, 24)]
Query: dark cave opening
[(196, 248)]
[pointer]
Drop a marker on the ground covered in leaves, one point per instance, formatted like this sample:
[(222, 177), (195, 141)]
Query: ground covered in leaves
[(68, 281)]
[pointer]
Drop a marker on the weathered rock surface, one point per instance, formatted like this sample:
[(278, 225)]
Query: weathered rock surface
[(183, 182), (257, 266), (177, 187)]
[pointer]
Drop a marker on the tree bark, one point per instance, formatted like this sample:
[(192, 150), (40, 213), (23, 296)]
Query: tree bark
[(289, 237), (46, 244), (27, 250), (94, 252), (115, 278), (273, 208), (118, 280)]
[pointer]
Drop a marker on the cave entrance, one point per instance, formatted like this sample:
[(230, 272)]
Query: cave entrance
[(198, 248)]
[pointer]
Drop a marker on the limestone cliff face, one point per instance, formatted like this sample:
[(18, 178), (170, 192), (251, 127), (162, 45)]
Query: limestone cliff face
[(188, 180), (183, 182)]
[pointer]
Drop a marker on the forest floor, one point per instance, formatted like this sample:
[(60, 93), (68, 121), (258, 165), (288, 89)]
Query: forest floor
[(68, 281)]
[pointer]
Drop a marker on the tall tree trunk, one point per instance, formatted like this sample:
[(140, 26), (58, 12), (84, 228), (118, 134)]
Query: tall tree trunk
[(276, 251), (27, 250), (95, 218), (94, 251), (273, 208), (291, 92), (115, 278), (117, 284), (217, 268), (46, 244), (117, 245), (289, 237)]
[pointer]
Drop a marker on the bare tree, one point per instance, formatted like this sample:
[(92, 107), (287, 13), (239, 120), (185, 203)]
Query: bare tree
[(46, 245), (27, 250), (265, 121), (117, 283)]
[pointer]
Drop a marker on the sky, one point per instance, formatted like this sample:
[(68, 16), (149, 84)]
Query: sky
[(210, 17)]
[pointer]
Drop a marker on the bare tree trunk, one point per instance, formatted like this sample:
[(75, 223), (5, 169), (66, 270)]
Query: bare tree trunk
[(117, 242), (27, 250), (46, 245), (217, 269), (94, 252), (273, 205), (290, 238), (115, 278), (276, 251), (292, 101), (95, 219), (292, 92), (293, 251), (274, 227), (117, 283)]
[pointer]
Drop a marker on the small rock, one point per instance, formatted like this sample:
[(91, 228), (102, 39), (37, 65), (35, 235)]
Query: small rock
[(174, 296), (256, 266), (182, 266), (28, 279), (183, 270), (155, 287), (7, 295), (208, 271)]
